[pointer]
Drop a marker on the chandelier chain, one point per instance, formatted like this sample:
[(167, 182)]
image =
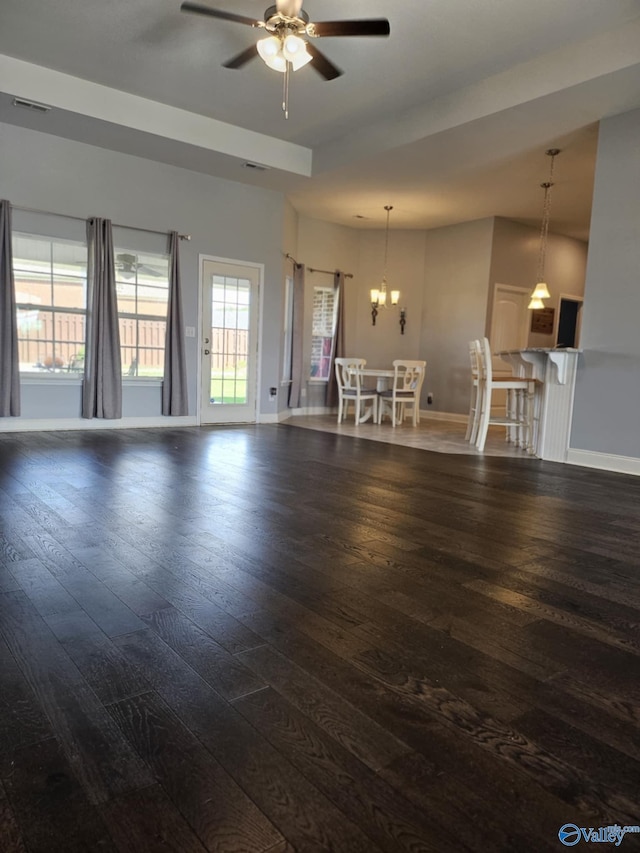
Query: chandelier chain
[(388, 208)]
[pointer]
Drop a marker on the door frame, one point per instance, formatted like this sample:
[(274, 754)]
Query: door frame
[(202, 259), (556, 324)]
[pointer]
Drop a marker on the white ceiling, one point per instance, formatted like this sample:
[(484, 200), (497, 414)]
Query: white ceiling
[(447, 120)]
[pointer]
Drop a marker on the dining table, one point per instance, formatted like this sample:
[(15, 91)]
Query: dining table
[(382, 374)]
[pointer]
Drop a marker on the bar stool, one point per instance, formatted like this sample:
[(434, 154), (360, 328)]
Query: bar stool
[(519, 413), (474, 397)]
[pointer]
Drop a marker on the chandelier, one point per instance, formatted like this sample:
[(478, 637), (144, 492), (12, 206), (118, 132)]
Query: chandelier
[(379, 294), (541, 291)]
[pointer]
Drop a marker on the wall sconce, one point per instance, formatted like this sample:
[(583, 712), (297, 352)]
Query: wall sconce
[(403, 320)]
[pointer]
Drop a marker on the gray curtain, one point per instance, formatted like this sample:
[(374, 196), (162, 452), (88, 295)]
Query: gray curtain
[(338, 340), (9, 364), (297, 351), (102, 386), (174, 385)]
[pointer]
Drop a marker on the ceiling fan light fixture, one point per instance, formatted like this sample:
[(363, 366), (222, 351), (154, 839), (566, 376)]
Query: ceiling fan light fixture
[(301, 59), (269, 48), (293, 46)]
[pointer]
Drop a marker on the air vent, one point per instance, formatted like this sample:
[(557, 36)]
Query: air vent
[(30, 105), (257, 167)]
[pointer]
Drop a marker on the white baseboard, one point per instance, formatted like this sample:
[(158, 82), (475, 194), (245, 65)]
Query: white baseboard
[(275, 418), (604, 461), (44, 425), (453, 417), (312, 410)]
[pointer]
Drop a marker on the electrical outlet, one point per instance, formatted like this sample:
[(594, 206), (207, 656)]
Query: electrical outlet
[(273, 393), (429, 398)]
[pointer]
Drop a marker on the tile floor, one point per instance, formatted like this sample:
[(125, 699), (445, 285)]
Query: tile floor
[(430, 434)]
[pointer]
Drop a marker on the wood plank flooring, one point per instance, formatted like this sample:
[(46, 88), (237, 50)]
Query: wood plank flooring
[(266, 639)]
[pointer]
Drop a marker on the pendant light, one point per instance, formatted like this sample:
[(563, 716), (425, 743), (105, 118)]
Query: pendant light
[(379, 294), (541, 290)]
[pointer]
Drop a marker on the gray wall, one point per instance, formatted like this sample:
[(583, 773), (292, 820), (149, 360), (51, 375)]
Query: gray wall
[(606, 414), (456, 276), (514, 261), (225, 219)]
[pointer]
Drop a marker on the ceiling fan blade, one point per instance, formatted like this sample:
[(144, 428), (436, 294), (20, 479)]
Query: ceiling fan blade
[(364, 27), (241, 58), (201, 9), (322, 65)]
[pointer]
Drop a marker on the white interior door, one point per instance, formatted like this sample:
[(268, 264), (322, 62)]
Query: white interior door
[(509, 321), (229, 341)]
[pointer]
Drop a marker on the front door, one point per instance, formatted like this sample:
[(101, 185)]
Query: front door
[(229, 343)]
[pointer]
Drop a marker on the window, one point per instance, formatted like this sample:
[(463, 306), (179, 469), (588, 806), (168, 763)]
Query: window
[(51, 300), (142, 285), (230, 315), (323, 331)]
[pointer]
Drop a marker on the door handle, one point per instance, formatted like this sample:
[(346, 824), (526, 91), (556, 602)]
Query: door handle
[(207, 352)]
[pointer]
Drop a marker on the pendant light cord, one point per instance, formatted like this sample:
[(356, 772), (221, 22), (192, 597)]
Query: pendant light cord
[(546, 211)]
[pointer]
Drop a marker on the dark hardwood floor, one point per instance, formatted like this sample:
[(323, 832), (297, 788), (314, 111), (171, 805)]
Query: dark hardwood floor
[(273, 639)]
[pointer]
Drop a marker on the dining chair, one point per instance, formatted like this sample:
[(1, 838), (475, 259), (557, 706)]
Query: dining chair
[(405, 391), (519, 410), (475, 391), (350, 390)]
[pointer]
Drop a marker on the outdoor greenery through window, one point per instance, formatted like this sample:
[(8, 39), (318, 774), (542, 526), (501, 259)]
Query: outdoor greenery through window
[(51, 299), (230, 302), (323, 331), (142, 285)]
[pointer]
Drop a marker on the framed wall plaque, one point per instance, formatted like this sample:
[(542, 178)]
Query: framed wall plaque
[(542, 321)]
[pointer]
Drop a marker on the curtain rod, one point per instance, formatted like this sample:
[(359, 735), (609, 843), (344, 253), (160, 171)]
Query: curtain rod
[(331, 272), (311, 269), (80, 219)]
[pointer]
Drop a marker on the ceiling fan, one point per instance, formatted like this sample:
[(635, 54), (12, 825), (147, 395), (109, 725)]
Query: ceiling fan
[(286, 47), (127, 266)]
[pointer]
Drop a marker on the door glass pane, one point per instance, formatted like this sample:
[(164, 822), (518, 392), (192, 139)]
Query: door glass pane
[(230, 298)]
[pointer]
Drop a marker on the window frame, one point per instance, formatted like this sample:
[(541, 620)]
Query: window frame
[(137, 317), (64, 374), (328, 289)]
